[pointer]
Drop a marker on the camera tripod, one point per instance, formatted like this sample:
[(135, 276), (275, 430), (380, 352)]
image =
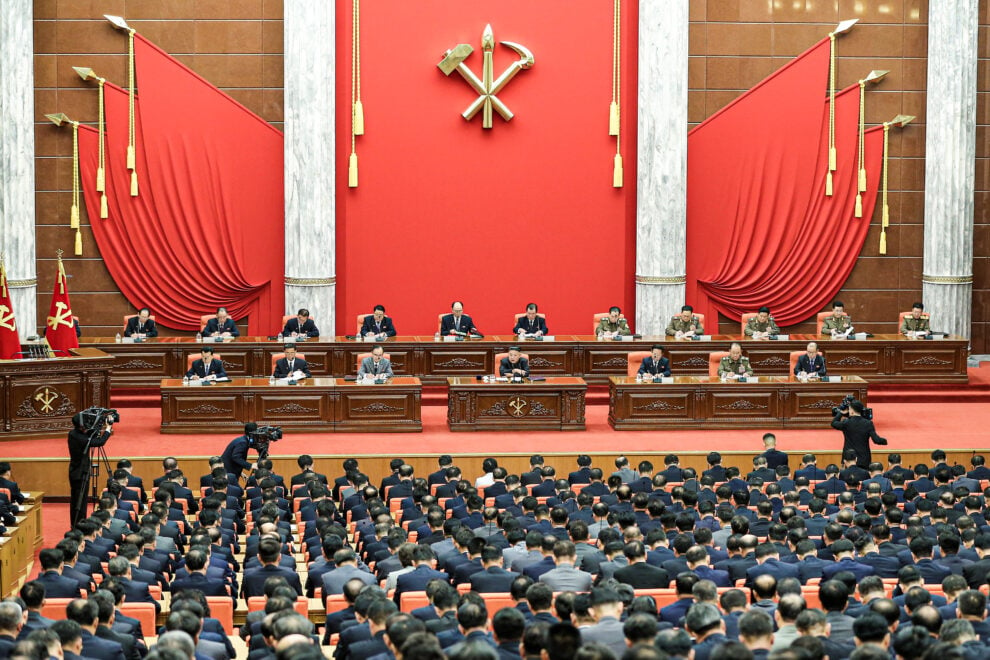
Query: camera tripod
[(97, 456)]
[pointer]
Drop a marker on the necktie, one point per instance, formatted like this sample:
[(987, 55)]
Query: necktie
[(291, 362), (457, 323)]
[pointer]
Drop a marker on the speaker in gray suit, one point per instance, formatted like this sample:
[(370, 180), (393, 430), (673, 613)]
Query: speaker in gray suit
[(376, 365)]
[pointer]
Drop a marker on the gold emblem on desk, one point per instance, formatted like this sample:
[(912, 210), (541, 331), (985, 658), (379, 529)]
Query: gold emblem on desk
[(46, 396), (487, 86), (518, 406), (46, 401)]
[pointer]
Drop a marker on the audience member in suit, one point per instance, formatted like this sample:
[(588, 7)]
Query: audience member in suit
[(269, 554), (809, 469), (980, 471), (56, 585), (672, 472), (607, 630), (565, 576), (290, 364), (638, 574), (136, 592), (221, 325), (206, 366), (141, 325), (698, 562), (198, 578), (768, 563), (87, 614), (301, 325), (583, 474), (842, 550), (493, 578), (775, 458), (416, 579), (305, 462), (457, 322), (133, 649)]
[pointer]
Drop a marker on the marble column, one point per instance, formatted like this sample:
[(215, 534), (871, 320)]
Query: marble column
[(661, 192), (950, 152), (17, 159), (310, 210)]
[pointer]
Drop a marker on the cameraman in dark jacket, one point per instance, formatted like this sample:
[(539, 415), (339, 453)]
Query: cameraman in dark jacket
[(81, 440), (857, 431)]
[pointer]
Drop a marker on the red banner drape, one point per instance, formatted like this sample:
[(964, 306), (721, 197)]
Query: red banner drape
[(207, 228), (10, 344), (61, 330), (760, 229)]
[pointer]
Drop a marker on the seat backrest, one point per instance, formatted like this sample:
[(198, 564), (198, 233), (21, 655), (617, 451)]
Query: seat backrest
[(193, 356), (745, 319), (204, 319), (143, 612), (256, 603), (128, 317), (499, 356), (278, 356), (633, 360), (360, 322), (54, 608), (713, 359), (361, 356), (222, 609), (411, 600), (598, 319), (701, 320)]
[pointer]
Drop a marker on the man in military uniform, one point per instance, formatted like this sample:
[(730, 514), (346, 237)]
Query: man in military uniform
[(685, 324), (762, 325), (735, 364), (612, 325), (839, 322), (916, 324)]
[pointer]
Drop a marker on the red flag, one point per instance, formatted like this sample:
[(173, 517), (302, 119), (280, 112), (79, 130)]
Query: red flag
[(60, 330), (10, 344)]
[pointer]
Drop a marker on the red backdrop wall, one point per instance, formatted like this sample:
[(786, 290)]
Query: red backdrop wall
[(496, 218)]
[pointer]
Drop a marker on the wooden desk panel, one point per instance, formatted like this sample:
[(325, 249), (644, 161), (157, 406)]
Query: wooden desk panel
[(39, 397), (556, 404), (883, 359), (314, 405), (693, 402)]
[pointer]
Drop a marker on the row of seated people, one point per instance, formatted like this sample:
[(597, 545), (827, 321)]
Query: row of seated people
[(554, 535)]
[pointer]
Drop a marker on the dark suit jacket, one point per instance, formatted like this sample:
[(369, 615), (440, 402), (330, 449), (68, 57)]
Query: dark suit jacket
[(805, 365), (775, 458), (254, 580), (659, 368), (447, 324), (298, 364), (209, 586), (213, 326), (643, 576), (59, 586), (235, 455), (199, 369), (134, 326), (493, 579), (386, 326), (129, 645), (100, 649), (539, 324), (292, 325), (416, 580), (505, 367)]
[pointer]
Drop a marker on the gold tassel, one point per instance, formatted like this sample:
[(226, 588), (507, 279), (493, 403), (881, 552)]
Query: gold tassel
[(358, 118), (78, 243), (859, 205), (134, 184), (352, 171), (828, 185), (101, 180), (613, 119), (104, 211), (74, 217), (617, 172), (130, 156), (883, 241)]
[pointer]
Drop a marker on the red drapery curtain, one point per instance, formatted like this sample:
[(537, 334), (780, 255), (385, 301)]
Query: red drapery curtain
[(760, 229), (207, 228)]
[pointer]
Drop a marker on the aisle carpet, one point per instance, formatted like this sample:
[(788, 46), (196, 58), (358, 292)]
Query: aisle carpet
[(908, 426)]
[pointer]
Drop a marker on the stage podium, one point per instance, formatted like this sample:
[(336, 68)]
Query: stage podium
[(40, 396)]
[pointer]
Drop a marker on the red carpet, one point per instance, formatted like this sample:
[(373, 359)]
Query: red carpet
[(907, 426)]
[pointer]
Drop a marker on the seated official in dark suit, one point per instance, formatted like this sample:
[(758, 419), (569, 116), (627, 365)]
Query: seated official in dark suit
[(302, 325), (141, 325), (206, 366), (377, 324), (221, 326), (290, 364), (531, 324), (514, 364), (376, 365), (655, 364), (457, 322), (811, 364)]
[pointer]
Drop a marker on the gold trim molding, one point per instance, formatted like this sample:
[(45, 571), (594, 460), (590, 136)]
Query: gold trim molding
[(311, 281), (653, 279), (946, 279), (22, 284)]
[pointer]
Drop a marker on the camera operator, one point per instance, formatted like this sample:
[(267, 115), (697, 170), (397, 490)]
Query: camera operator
[(234, 457), (81, 439), (857, 430)]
